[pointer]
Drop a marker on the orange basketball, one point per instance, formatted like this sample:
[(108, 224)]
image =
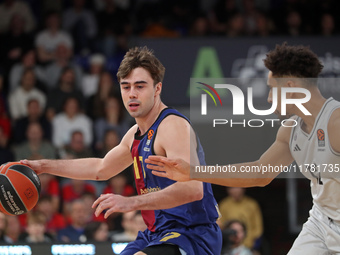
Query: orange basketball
[(19, 188)]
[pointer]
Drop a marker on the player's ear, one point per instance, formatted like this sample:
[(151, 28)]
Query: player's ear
[(158, 87)]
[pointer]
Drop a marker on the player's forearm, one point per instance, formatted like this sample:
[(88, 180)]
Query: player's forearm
[(83, 169), (172, 196)]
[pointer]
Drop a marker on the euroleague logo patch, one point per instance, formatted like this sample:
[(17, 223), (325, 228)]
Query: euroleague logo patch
[(150, 134), (321, 138)]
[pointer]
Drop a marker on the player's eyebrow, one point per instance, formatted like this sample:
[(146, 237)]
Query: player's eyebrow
[(140, 82), (136, 82)]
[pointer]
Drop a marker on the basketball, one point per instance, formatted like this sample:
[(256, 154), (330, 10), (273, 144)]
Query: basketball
[(19, 188)]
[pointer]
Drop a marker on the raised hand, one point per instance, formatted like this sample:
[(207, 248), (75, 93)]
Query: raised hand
[(174, 169)]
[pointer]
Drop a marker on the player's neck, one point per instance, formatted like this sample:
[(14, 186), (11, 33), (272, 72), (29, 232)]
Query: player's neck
[(145, 123), (314, 106)]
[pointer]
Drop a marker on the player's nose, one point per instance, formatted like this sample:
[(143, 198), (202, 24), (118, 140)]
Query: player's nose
[(133, 93)]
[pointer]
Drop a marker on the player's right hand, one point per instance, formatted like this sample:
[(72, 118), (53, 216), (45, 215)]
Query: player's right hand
[(34, 164), (174, 169)]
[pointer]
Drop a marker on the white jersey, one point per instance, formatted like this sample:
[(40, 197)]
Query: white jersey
[(318, 161)]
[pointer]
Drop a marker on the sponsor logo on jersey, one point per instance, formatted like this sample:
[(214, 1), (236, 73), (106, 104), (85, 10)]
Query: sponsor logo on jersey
[(297, 148), (149, 190)]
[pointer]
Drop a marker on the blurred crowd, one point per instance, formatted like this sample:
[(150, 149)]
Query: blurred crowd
[(59, 97)]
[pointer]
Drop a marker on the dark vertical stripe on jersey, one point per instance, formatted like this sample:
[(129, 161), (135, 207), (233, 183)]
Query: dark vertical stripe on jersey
[(148, 215)]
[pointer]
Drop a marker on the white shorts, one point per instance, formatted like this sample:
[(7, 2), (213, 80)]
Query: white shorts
[(320, 235)]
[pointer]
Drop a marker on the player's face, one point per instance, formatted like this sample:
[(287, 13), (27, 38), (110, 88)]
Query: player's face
[(139, 92)]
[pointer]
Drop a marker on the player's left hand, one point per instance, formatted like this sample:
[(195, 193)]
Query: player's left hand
[(112, 203)]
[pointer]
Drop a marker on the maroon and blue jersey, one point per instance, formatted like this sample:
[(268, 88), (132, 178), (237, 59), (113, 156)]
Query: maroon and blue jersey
[(191, 226), (199, 212)]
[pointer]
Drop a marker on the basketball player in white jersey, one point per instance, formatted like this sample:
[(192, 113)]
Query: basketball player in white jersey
[(314, 143)]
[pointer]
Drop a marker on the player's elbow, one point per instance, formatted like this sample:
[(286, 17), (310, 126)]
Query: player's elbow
[(101, 171), (197, 194)]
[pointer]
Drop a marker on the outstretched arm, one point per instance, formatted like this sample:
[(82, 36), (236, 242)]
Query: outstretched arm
[(113, 163), (277, 155)]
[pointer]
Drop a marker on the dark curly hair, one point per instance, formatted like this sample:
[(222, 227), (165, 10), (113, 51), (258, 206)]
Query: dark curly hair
[(141, 57), (298, 61)]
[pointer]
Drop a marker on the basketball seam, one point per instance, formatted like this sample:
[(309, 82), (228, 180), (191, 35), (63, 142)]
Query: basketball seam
[(17, 192), (3, 167), (28, 179)]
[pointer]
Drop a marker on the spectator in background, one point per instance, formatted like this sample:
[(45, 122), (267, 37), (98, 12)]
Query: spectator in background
[(11, 7), (82, 24), (111, 140), (15, 42), (200, 27), (112, 21), (74, 189), (34, 114), (12, 230), (118, 185), (236, 25), (66, 88), (6, 154), (50, 188), (157, 28), (36, 227), (62, 61), (114, 119), (294, 24), (91, 80), (49, 39), (28, 61), (264, 25), (249, 13), (235, 234), (96, 232), (5, 122), (73, 231), (19, 98), (35, 147), (2, 226), (89, 198), (106, 89), (76, 148), (71, 119), (327, 25), (241, 207), (3, 95), (55, 220), (131, 225)]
